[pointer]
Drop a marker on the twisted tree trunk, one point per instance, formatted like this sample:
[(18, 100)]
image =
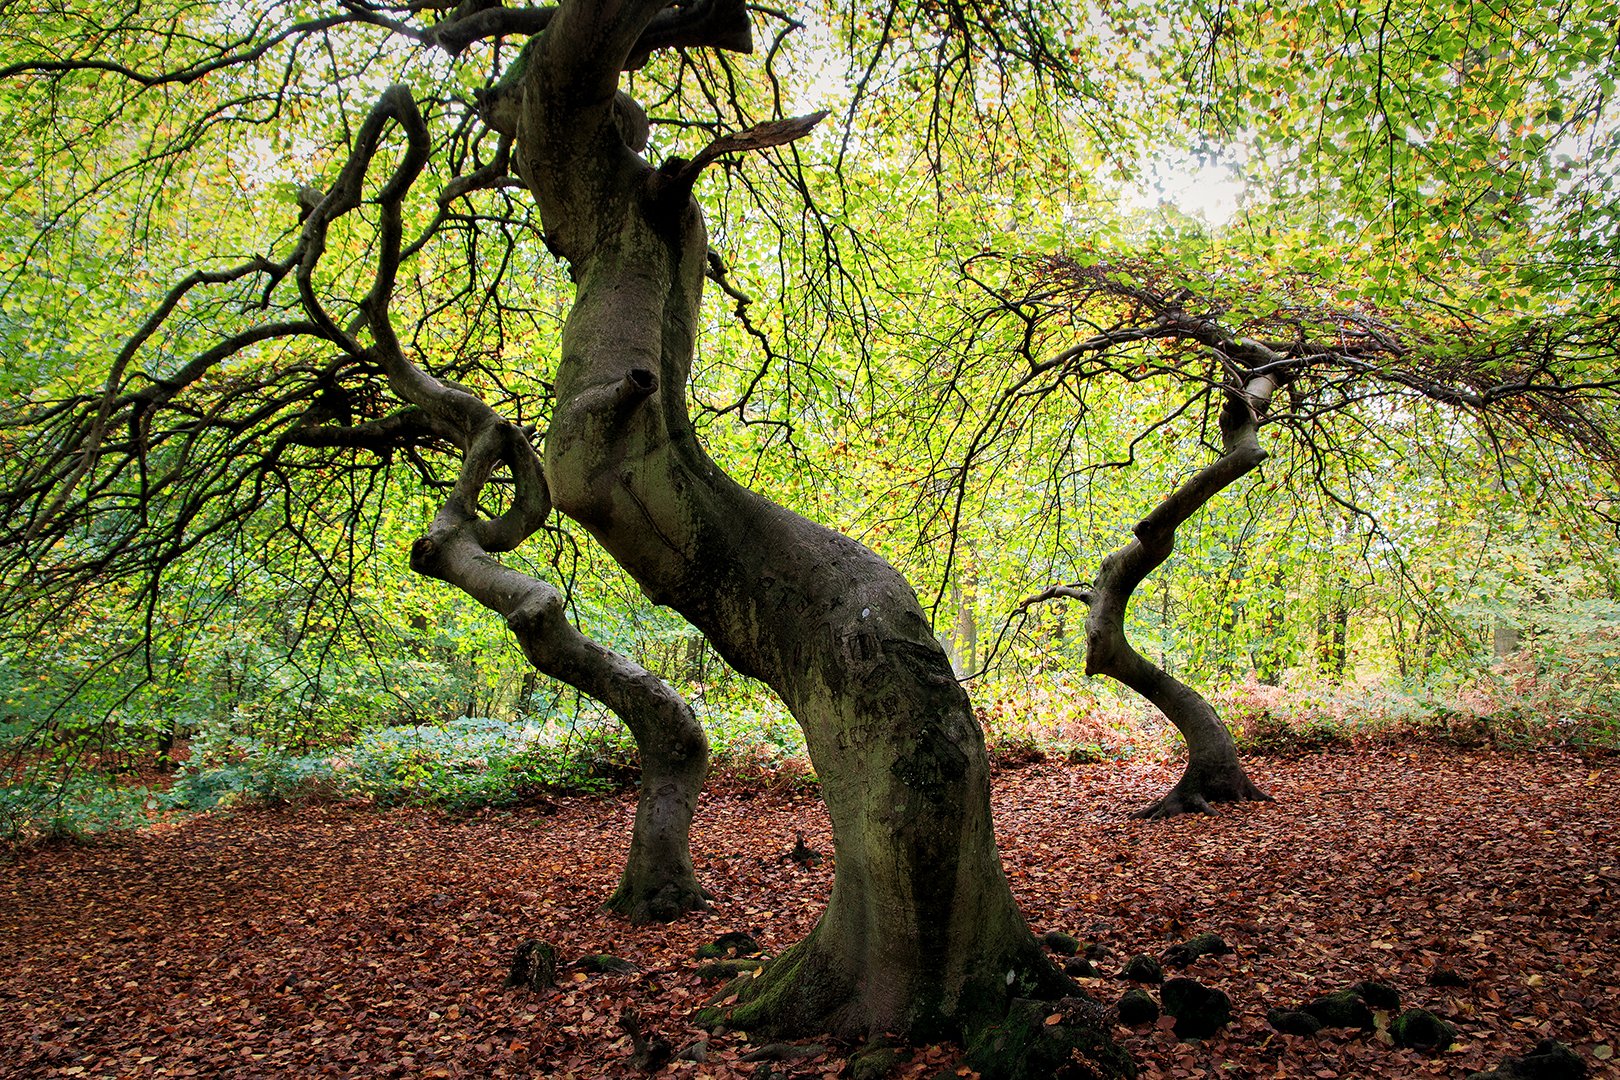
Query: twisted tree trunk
[(658, 883), (921, 935), (1213, 772)]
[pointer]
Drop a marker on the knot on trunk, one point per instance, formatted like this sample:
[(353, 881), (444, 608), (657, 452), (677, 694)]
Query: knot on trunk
[(529, 618), (425, 556), (637, 386)]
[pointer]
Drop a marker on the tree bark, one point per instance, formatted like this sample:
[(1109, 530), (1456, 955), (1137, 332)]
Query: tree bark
[(459, 548), (1214, 773), (659, 883), (921, 935)]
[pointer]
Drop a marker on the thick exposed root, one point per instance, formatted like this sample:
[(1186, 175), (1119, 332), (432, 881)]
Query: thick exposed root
[(1174, 804), (1195, 798)]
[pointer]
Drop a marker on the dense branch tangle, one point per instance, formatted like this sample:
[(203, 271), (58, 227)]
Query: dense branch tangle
[(172, 456)]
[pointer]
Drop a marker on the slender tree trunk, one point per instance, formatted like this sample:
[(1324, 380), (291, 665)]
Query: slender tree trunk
[(962, 639), (462, 544), (1213, 772), (1333, 630), (921, 935), (658, 883), (1269, 659)]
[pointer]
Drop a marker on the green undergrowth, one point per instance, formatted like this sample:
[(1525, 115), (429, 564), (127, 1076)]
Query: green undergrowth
[(473, 763), (1507, 711), (462, 766), (1528, 703)]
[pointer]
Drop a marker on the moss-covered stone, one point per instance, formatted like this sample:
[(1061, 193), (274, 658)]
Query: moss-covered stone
[(1550, 1060), (1061, 943), (1378, 995), (732, 944), (1143, 968), (874, 1061), (1344, 1009), (1137, 1007), (1078, 967), (1195, 947), (1293, 1022), (1420, 1029), (1024, 1046), (1200, 1010), (534, 966)]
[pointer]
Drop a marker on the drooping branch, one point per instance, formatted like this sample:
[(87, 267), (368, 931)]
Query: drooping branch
[(659, 883)]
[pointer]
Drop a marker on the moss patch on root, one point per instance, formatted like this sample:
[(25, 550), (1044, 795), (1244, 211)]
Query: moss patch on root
[(1043, 1040)]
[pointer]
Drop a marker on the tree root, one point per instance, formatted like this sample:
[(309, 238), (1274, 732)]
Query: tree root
[(1187, 798), (657, 904)]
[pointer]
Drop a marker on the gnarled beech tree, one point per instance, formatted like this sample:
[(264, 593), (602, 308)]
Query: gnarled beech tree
[(1553, 384), (1214, 773), (921, 935)]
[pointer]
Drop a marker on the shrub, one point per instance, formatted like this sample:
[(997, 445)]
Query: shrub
[(39, 810)]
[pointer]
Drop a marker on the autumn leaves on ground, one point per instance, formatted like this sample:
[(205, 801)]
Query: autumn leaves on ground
[(343, 940)]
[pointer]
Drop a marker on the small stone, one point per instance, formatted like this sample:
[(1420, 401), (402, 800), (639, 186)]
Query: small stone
[(1200, 1011), (1340, 1010), (1061, 943), (1420, 1029), (1136, 1007), (1550, 1060), (1446, 975), (697, 1050), (1143, 968), (803, 854), (1293, 1022), (605, 964), (1195, 947), (1078, 967), (1378, 995)]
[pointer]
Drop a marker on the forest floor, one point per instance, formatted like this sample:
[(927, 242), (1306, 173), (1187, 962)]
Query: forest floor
[(344, 940)]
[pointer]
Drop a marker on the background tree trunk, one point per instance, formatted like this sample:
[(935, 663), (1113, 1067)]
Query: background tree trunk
[(1213, 772)]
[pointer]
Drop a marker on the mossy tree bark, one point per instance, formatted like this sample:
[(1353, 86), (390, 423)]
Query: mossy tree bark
[(921, 935)]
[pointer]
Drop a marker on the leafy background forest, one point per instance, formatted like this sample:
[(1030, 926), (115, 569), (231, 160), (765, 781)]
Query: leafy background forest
[(1399, 568)]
